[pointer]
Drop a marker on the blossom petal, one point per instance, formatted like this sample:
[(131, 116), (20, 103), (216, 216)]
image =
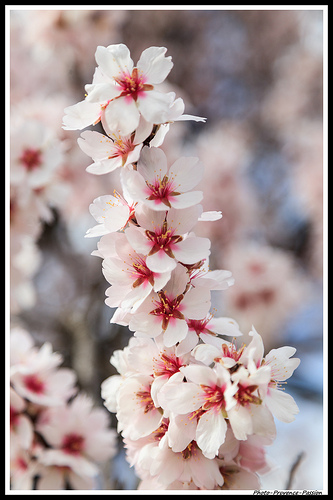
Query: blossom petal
[(81, 115), (175, 332), (187, 172), (154, 65), (282, 405), (192, 249), (122, 116), (154, 106), (160, 262), (211, 431), (114, 60), (152, 163), (185, 200)]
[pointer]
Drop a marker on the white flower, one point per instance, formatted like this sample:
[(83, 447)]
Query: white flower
[(207, 395), (79, 436), (164, 239), (112, 212), (281, 404), (136, 413), (161, 187), (122, 93), (167, 310), (35, 375), (206, 329), (185, 466), (131, 279), (108, 153)]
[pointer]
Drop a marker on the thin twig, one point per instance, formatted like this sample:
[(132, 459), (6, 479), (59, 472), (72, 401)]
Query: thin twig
[(293, 469)]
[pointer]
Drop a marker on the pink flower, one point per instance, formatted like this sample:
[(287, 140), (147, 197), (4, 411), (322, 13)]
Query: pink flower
[(112, 212), (167, 310), (160, 187), (21, 428), (164, 238), (208, 395), (109, 153), (79, 437), (35, 375), (189, 465), (123, 92), (279, 361), (207, 329), (136, 413), (131, 279)]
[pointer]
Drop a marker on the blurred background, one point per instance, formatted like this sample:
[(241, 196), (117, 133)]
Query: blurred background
[(257, 75)]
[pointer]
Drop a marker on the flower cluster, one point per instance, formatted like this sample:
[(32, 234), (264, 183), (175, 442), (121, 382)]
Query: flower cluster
[(194, 410), (56, 439), (36, 187), (199, 420)]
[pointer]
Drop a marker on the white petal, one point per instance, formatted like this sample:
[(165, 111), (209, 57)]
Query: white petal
[(181, 432), (186, 200), (187, 172), (152, 163), (196, 303), (154, 106), (241, 422), (210, 216), (186, 345), (138, 240), (179, 397), (183, 220), (134, 183), (192, 250), (81, 115), (224, 326), (160, 262), (101, 92), (150, 325), (114, 60), (175, 332), (154, 65), (95, 145), (282, 405), (104, 166), (211, 431), (122, 116), (201, 375)]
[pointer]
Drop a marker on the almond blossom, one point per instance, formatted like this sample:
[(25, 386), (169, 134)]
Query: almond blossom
[(168, 310), (112, 212), (123, 92), (53, 443), (165, 238), (160, 187), (195, 411), (131, 279), (79, 438)]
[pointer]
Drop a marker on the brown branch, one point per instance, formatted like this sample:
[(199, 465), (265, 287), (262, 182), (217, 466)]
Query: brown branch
[(293, 469)]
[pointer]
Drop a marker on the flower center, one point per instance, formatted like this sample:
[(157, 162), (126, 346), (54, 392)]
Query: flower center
[(121, 147), (145, 400), (190, 450), (167, 308), (166, 365), (31, 158), (245, 396), (161, 190), (73, 444), (163, 239), (141, 272), (132, 85), (34, 384), (214, 398)]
